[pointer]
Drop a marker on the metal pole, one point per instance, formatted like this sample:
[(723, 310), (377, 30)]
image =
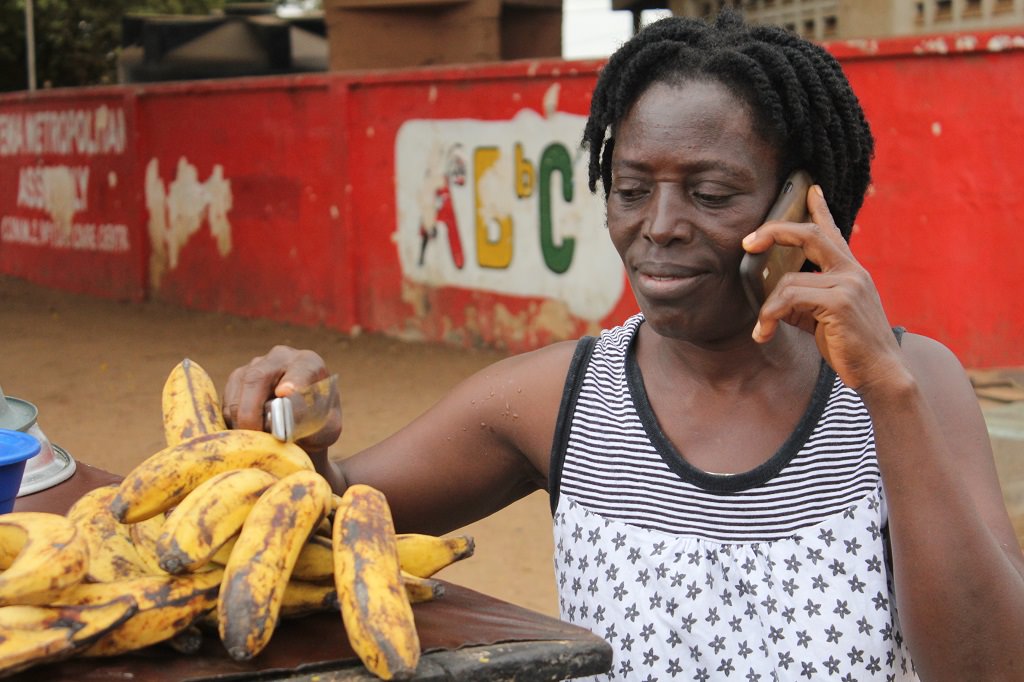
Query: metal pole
[(30, 45)]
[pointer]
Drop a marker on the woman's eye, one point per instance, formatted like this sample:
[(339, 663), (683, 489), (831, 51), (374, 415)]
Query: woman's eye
[(630, 193), (711, 199)]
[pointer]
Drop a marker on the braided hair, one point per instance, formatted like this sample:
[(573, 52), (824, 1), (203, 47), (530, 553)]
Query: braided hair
[(799, 97)]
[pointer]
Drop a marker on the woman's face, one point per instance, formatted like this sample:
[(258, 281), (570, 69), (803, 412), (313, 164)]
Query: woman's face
[(690, 179)]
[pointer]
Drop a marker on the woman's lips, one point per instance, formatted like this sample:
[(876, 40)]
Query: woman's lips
[(665, 281)]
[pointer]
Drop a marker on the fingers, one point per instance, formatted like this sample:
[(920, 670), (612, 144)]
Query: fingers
[(276, 374), (820, 239)]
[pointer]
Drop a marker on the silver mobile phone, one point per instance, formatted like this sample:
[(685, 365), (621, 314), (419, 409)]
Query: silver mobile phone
[(760, 272)]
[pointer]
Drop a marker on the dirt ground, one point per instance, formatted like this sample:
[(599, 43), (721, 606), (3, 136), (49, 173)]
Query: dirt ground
[(95, 370)]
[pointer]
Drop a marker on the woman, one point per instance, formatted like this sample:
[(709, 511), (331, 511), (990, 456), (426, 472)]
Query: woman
[(794, 492)]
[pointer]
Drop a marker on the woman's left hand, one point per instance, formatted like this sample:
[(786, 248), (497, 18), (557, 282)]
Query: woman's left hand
[(839, 305)]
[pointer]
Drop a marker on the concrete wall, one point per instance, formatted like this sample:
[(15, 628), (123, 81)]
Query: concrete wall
[(451, 204)]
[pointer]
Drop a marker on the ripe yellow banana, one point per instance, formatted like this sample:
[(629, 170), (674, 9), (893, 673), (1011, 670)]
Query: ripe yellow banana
[(167, 605), (222, 555), (424, 555), (112, 554), (374, 606), (419, 590), (419, 555), (24, 648), (262, 559), (42, 554), (302, 598), (165, 478), (316, 561), (190, 403), (208, 517), (144, 534), (80, 625)]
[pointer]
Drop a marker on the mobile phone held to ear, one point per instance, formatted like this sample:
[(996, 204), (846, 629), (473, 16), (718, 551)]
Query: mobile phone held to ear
[(760, 272)]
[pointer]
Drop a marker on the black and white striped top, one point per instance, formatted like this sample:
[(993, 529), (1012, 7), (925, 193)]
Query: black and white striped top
[(779, 573), (612, 458)]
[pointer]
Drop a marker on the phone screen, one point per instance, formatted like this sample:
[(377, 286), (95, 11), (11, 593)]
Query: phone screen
[(760, 272)]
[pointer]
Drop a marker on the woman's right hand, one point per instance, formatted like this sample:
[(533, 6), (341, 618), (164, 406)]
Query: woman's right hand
[(274, 375)]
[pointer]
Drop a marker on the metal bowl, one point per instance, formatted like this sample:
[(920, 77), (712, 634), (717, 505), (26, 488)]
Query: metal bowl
[(53, 464)]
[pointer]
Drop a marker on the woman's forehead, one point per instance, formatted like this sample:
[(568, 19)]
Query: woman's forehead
[(696, 118)]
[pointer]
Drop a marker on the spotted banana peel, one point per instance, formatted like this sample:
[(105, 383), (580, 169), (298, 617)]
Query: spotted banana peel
[(261, 561), (168, 476), (190, 403), (374, 606)]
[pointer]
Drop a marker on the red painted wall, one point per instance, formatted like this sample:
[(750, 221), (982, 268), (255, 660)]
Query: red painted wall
[(289, 194)]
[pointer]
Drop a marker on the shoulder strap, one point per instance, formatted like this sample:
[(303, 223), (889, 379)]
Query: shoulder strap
[(570, 393)]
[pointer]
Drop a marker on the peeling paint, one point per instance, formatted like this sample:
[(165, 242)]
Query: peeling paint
[(415, 295), (1004, 42), (966, 43), (177, 211), (554, 317), (551, 100), (60, 191), (932, 46), (863, 45)]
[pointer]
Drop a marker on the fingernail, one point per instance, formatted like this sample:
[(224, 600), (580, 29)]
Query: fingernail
[(818, 191), (756, 334), (749, 239)]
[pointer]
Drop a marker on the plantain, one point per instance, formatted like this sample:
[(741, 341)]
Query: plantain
[(190, 403), (166, 477), (419, 590), (208, 517), (112, 554), (315, 562), (418, 555), (167, 606), (42, 554), (302, 598), (144, 534), (24, 648), (30, 635), (424, 555), (374, 606), (85, 622), (262, 559)]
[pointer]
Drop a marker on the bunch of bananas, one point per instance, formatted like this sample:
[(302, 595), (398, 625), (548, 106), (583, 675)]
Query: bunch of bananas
[(225, 531)]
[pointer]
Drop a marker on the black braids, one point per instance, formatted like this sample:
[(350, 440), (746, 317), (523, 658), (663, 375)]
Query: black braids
[(825, 161), (648, 64), (615, 91), (795, 101), (852, 131), (822, 126), (735, 67)]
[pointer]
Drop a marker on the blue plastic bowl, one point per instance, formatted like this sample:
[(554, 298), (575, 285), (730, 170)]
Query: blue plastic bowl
[(16, 447)]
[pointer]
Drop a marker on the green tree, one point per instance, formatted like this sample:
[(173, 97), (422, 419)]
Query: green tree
[(77, 41)]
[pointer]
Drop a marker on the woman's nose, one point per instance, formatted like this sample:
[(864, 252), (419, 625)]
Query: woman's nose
[(670, 218)]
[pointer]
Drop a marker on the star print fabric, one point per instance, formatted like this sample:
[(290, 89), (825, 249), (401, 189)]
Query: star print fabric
[(773, 575), (815, 607)]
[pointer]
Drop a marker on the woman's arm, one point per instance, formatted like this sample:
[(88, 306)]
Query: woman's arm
[(481, 447), (957, 563)]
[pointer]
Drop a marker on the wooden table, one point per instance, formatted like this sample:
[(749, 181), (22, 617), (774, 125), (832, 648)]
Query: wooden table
[(465, 635)]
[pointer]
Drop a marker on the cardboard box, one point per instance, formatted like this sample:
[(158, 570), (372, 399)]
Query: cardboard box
[(375, 34)]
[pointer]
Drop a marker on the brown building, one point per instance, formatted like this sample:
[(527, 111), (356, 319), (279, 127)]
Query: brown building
[(841, 19)]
